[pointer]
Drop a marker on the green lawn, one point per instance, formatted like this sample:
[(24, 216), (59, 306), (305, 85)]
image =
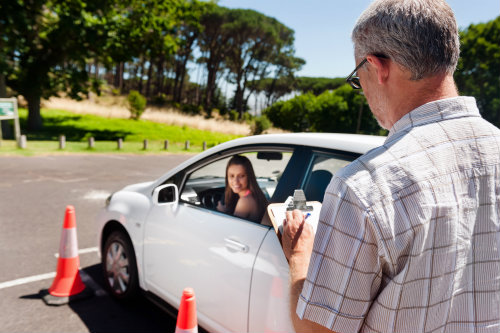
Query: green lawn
[(106, 131)]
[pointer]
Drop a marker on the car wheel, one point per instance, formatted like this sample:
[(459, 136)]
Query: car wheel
[(119, 266)]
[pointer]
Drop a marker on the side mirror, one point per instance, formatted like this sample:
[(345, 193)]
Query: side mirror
[(166, 194)]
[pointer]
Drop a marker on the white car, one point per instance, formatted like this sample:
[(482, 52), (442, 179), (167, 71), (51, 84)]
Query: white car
[(165, 235)]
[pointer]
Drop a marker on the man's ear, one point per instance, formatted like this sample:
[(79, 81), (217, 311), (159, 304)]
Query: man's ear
[(381, 66)]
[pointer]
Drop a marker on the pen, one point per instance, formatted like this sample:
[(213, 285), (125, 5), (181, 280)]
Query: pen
[(307, 215)]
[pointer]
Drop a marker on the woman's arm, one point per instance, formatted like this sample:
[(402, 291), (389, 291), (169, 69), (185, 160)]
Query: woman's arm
[(245, 207)]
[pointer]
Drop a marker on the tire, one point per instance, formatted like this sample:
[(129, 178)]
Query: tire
[(119, 266)]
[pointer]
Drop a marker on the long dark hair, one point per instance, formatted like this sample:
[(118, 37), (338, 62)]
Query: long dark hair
[(231, 198)]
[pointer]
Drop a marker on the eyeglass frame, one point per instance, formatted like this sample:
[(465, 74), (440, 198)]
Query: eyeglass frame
[(354, 80)]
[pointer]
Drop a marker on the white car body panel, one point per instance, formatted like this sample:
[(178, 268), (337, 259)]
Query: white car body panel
[(236, 267), (181, 237), (270, 278)]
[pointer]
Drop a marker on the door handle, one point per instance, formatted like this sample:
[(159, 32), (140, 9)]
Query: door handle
[(235, 245)]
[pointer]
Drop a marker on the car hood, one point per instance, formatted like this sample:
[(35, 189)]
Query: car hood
[(139, 187)]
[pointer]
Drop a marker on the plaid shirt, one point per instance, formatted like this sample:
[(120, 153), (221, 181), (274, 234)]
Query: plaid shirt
[(409, 233)]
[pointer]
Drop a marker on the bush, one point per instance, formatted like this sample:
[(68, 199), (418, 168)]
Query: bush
[(233, 115), (343, 110), (247, 117), (293, 114), (160, 100), (137, 104), (260, 124), (191, 109)]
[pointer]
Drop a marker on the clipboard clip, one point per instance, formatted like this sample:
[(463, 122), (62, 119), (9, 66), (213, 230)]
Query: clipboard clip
[(299, 202)]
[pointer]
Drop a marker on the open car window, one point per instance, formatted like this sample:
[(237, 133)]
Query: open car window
[(204, 187), (322, 168)]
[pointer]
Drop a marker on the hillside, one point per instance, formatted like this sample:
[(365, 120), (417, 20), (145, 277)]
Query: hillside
[(115, 107)]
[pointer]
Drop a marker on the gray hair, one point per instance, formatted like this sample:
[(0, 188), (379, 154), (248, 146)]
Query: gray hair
[(420, 35)]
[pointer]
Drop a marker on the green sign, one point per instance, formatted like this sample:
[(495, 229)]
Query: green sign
[(6, 108)]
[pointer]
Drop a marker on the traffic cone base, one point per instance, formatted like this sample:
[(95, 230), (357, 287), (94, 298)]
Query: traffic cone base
[(62, 300), (67, 284)]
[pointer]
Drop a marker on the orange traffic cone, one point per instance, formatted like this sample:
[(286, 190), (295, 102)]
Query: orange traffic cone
[(186, 318), (67, 284)]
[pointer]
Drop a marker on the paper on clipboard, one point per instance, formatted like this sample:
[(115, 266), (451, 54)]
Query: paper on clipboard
[(277, 214)]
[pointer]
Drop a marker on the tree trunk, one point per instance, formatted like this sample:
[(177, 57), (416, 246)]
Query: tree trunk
[(133, 80), (148, 82), (3, 86), (139, 88), (35, 121), (177, 79), (116, 80), (159, 76), (119, 76), (6, 128), (211, 78), (122, 69), (96, 68), (181, 83)]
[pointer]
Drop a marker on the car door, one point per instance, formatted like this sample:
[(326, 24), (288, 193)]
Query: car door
[(190, 244)]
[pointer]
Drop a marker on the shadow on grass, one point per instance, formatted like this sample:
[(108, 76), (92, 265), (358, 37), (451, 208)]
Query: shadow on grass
[(55, 126)]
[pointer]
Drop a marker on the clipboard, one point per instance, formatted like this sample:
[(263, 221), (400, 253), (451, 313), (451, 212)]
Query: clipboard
[(277, 214)]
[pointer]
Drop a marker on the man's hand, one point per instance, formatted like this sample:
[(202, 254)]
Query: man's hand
[(221, 207), (298, 236)]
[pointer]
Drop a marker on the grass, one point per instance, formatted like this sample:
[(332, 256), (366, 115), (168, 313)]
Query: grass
[(106, 131), (116, 107)]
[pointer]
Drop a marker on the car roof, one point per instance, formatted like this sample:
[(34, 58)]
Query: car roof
[(356, 143)]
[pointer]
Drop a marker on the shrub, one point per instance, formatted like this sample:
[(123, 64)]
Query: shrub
[(192, 109), (160, 100), (137, 104), (234, 115), (260, 124), (247, 117)]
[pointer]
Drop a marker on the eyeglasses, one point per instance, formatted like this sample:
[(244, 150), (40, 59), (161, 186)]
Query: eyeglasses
[(354, 80)]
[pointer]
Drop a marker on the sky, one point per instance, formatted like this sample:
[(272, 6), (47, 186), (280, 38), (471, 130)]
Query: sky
[(323, 27)]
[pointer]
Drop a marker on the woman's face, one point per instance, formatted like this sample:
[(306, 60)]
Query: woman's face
[(237, 179)]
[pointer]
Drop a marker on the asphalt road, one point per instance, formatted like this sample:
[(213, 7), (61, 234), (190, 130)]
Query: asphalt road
[(34, 193)]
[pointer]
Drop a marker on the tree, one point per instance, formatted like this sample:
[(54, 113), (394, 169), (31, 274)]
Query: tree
[(259, 45), (136, 104), (339, 110), (318, 85), (478, 70), (189, 32), (213, 43), (46, 44)]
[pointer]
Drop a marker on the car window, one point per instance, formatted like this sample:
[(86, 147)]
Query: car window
[(205, 186), (323, 167)]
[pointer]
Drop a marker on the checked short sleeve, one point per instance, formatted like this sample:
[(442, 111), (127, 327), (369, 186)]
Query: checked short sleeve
[(345, 270)]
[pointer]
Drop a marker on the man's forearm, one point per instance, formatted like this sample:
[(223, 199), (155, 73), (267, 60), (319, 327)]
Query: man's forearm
[(298, 273), (297, 278)]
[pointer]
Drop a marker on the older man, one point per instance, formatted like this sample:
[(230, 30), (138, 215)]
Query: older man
[(409, 233)]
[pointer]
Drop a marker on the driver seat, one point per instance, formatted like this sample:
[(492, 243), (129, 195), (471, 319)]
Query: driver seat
[(316, 185)]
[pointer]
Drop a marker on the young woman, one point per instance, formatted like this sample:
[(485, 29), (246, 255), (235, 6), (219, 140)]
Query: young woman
[(243, 196)]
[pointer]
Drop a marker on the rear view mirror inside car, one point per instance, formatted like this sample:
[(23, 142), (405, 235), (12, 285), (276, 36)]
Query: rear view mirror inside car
[(270, 155)]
